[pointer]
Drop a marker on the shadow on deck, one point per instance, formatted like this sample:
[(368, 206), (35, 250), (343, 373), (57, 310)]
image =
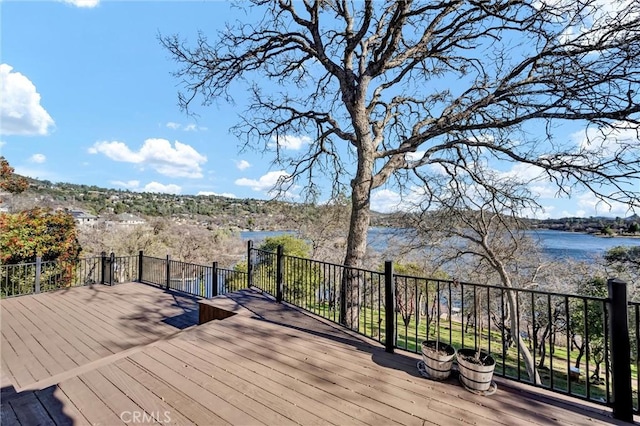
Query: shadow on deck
[(94, 355)]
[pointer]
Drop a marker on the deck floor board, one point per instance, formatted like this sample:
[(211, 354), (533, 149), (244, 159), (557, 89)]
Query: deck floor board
[(75, 346), (102, 355), (142, 396)]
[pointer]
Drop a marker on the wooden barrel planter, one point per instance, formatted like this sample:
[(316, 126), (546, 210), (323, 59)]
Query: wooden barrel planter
[(475, 373), (438, 358)]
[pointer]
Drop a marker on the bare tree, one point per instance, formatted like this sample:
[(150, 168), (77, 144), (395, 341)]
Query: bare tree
[(185, 242), (482, 228), (387, 90), (325, 228)]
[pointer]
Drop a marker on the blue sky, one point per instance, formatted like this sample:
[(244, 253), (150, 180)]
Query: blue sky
[(88, 98)]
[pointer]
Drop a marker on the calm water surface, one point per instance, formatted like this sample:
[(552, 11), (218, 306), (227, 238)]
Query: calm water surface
[(557, 244)]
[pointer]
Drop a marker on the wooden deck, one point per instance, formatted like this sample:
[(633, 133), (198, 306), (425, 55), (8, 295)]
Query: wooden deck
[(133, 354)]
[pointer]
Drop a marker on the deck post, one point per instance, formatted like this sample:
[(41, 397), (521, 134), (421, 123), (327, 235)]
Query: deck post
[(620, 350), (279, 273), (112, 264), (168, 271), (103, 267), (249, 264), (140, 261), (38, 272), (214, 279), (389, 308)]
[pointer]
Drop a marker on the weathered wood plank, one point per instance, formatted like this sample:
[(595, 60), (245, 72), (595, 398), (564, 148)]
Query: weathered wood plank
[(270, 353), (56, 359), (15, 368), (60, 408), (142, 396), (23, 353), (313, 396), (7, 415), (116, 400), (261, 405), (50, 327), (356, 367), (139, 313), (179, 401), (498, 405), (29, 410), (91, 407), (93, 319), (82, 321), (223, 409)]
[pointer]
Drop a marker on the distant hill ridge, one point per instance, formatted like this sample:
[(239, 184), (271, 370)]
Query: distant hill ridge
[(248, 213)]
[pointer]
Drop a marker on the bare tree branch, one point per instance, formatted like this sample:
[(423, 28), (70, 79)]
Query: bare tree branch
[(465, 86)]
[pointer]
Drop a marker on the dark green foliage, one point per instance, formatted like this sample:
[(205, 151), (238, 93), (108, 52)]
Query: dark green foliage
[(291, 246)]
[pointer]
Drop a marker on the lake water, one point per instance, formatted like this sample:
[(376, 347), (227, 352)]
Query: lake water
[(556, 244), (579, 246)]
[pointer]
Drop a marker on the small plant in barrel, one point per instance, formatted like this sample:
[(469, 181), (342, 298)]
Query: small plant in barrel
[(437, 356), (475, 365)]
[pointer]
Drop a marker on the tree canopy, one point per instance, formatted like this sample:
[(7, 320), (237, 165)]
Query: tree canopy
[(38, 232), (34, 232), (291, 245), (9, 181), (411, 93)]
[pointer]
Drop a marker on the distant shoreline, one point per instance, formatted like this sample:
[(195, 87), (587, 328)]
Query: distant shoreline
[(595, 234)]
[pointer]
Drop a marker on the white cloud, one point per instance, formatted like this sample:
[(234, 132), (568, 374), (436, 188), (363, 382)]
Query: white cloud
[(388, 201), (543, 191), (83, 3), (158, 154), (38, 158), (134, 185), (159, 187), (187, 127), (533, 177), (20, 109), (264, 183), (609, 140), (290, 142), (224, 194), (243, 164), (587, 205), (595, 20), (522, 172), (130, 184), (594, 207)]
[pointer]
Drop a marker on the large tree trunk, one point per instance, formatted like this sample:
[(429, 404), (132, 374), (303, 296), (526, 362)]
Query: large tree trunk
[(352, 279)]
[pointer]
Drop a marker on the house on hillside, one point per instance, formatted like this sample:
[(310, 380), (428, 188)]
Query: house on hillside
[(83, 218), (128, 219)]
